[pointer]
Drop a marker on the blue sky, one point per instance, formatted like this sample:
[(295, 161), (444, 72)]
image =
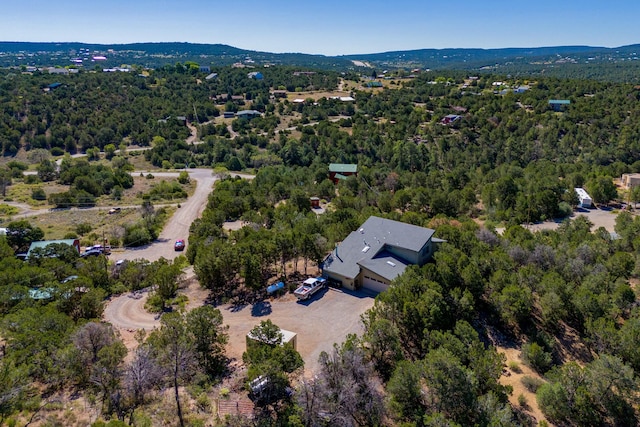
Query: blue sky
[(327, 27)]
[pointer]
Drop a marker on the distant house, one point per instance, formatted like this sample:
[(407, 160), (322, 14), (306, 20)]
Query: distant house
[(180, 119), (53, 86), (54, 70), (450, 118), (559, 104), (279, 93), (255, 75), (44, 243), (248, 114), (378, 252), (303, 73), (340, 171), (228, 114), (630, 180), (521, 89), (205, 69), (211, 76), (373, 84), (584, 199)]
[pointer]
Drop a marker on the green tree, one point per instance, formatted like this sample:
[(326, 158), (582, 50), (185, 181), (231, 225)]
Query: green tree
[(210, 336), (20, 235), (47, 170)]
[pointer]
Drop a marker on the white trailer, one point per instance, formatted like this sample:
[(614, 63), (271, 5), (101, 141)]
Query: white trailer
[(584, 199)]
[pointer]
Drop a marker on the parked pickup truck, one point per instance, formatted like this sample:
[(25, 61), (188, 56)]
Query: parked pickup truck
[(310, 287)]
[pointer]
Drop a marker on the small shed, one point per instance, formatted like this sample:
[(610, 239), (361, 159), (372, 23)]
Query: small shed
[(630, 180), (559, 104), (288, 337), (315, 202)]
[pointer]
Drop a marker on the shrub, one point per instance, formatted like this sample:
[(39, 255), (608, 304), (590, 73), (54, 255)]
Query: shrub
[(532, 384), (32, 179), (536, 357), (522, 401), (136, 236), (38, 194), (83, 228), (154, 303), (183, 178), (203, 402), (515, 367), (57, 151)]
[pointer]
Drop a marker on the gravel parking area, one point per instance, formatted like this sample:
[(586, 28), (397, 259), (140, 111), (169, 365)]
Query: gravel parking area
[(603, 217), (599, 217), (327, 318)]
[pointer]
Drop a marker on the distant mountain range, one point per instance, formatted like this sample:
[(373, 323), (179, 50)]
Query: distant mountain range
[(507, 60)]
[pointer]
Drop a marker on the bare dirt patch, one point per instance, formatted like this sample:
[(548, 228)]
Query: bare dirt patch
[(514, 379)]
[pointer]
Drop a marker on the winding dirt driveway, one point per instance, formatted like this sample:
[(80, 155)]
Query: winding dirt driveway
[(127, 311), (177, 227)]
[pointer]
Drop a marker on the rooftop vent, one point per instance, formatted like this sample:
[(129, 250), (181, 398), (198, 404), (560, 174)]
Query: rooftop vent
[(392, 264), (366, 248)]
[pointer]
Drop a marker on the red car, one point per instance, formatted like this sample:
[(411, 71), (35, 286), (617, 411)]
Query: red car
[(179, 245)]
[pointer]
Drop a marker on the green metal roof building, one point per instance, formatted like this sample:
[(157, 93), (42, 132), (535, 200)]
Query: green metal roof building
[(44, 243), (339, 171)]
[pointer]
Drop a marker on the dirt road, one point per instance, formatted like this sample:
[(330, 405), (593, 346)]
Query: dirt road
[(178, 225)]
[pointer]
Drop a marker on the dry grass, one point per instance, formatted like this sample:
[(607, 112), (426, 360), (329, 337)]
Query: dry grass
[(57, 224), (21, 193)]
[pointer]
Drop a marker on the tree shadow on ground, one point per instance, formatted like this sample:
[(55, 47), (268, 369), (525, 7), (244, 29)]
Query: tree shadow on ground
[(261, 308)]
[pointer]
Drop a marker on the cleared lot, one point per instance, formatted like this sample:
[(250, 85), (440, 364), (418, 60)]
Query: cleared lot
[(599, 217), (325, 319)]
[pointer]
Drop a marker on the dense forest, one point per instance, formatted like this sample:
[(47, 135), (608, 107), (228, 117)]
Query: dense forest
[(432, 349)]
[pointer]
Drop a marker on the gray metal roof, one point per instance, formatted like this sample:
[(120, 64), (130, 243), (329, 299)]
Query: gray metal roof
[(365, 246), (385, 264)]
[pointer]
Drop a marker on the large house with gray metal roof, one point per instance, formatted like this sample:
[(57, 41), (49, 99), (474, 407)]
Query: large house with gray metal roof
[(378, 252)]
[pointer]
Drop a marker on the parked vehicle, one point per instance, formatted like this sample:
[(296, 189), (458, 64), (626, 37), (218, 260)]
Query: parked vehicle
[(102, 249), (179, 245), (310, 287), (113, 211), (272, 289), (90, 252)]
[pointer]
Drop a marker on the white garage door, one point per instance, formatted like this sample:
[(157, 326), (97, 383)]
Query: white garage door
[(373, 285)]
